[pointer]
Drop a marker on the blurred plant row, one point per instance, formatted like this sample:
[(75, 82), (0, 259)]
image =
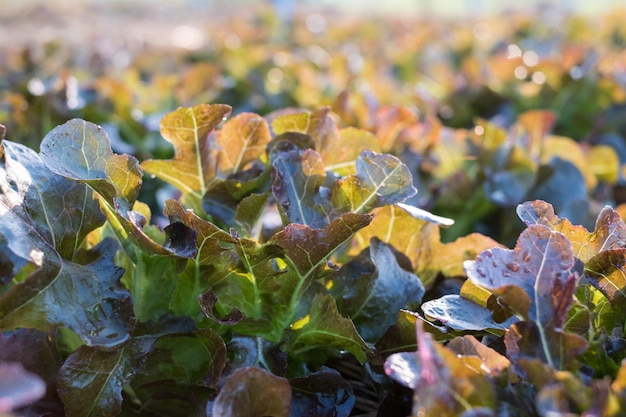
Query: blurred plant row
[(434, 89)]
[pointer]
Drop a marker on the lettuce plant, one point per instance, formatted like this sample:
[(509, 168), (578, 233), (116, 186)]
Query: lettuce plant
[(287, 247)]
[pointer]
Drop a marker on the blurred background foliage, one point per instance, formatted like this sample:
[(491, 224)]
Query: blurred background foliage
[(489, 105)]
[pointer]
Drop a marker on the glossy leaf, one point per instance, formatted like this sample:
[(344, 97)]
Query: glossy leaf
[(383, 179), (307, 247), (460, 313), (323, 327), (535, 279), (100, 310), (96, 390), (253, 392)]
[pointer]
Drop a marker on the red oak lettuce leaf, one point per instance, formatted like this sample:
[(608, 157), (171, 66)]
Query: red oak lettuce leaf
[(525, 278), (444, 384), (298, 176), (91, 381), (607, 272), (241, 140), (380, 179), (253, 392), (419, 239), (193, 168), (307, 248), (319, 125), (37, 352), (609, 231), (460, 313)]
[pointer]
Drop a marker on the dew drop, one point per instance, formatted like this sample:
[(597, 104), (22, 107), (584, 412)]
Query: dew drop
[(489, 254), (513, 266), (481, 272), (526, 256)]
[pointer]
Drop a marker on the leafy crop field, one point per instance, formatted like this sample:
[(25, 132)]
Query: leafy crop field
[(288, 211)]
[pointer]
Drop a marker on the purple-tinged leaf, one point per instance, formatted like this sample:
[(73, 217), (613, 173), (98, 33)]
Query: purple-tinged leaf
[(609, 231), (459, 313), (541, 258), (18, 387), (559, 350), (533, 279), (324, 327), (607, 272), (37, 352), (444, 384), (91, 382), (307, 248), (298, 176), (380, 179), (208, 300), (193, 168), (321, 394), (253, 392), (63, 212)]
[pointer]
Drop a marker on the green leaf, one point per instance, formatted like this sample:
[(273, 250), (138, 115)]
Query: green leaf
[(81, 151), (193, 168), (253, 392), (323, 327), (371, 293), (606, 271), (85, 297)]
